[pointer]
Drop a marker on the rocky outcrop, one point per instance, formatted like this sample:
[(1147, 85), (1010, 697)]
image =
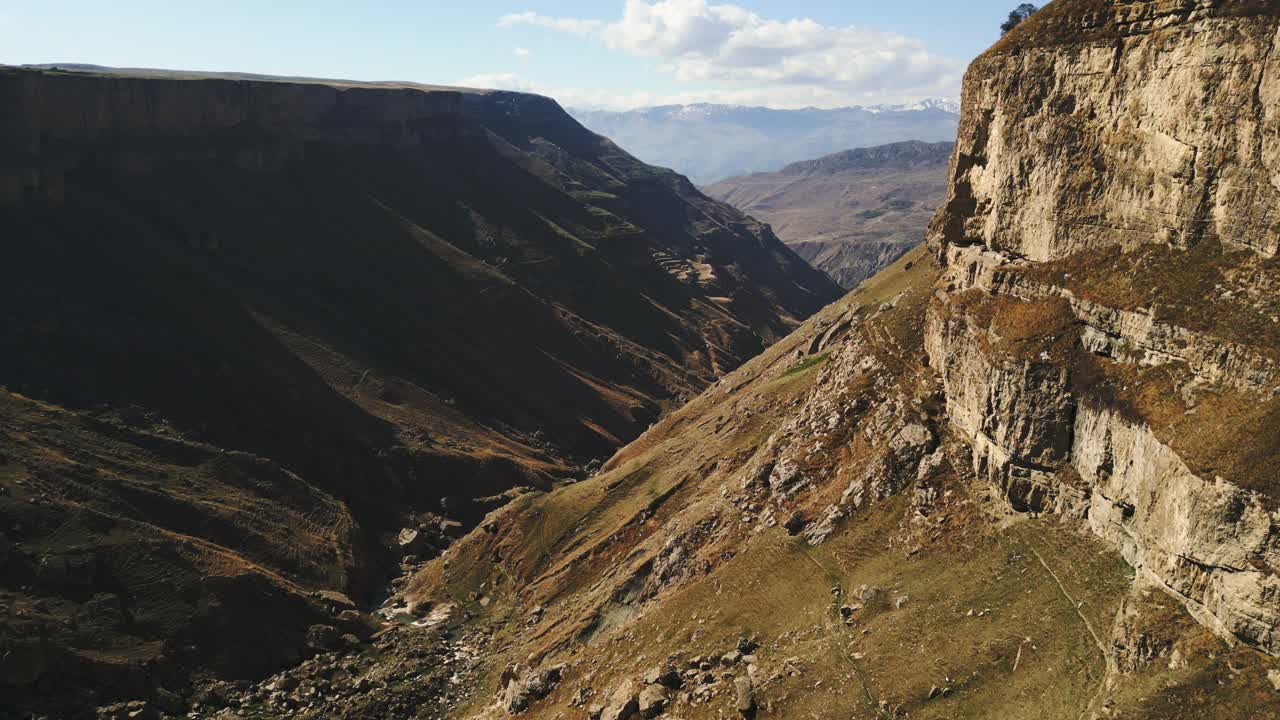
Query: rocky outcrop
[(1142, 124), (1209, 542), (1121, 124)]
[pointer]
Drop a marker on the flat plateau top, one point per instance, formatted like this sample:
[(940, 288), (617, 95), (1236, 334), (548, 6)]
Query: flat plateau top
[(161, 74)]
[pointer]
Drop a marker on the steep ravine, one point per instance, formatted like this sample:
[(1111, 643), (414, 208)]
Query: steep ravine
[(1027, 471), (259, 331), (1032, 468)]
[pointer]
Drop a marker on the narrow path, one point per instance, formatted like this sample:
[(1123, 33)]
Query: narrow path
[(840, 631), (1074, 605), (1107, 660)]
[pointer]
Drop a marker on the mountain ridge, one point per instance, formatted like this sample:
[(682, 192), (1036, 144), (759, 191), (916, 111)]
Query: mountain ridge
[(850, 213), (711, 142)]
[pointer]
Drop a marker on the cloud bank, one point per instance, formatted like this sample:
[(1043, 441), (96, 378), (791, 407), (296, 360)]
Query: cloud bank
[(749, 59)]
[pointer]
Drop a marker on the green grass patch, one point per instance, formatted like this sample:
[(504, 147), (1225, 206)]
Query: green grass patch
[(809, 362)]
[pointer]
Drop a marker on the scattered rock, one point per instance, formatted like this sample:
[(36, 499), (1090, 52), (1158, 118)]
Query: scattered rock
[(744, 702), (623, 703), (132, 710), (653, 699), (665, 675), (323, 637)]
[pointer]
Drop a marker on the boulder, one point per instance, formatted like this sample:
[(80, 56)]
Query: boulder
[(412, 541), (623, 703), (796, 523), (652, 701), (22, 663), (522, 685), (868, 593), (743, 700), (664, 675), (103, 611), (74, 569), (323, 637)]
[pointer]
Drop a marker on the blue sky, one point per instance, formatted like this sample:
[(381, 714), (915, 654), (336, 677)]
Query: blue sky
[(602, 53)]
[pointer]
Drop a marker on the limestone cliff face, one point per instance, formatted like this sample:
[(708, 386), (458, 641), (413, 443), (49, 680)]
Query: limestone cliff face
[(1119, 124), (1115, 161)]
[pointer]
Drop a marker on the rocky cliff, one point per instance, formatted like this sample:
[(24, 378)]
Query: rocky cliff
[(1107, 334), (265, 338), (1027, 471)]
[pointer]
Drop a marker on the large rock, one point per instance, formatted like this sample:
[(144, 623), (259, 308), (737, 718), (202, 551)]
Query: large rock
[(652, 701), (522, 685), (744, 702), (623, 703), (1050, 160)]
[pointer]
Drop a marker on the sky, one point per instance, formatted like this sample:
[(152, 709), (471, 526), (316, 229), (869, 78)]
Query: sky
[(604, 54)]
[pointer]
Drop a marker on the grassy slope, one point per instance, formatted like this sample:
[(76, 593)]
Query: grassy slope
[(1006, 613)]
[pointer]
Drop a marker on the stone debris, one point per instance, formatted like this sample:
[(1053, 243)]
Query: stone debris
[(744, 703), (652, 701), (522, 686), (623, 702)]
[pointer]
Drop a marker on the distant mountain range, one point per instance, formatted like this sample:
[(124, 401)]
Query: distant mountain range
[(710, 142), (850, 213)]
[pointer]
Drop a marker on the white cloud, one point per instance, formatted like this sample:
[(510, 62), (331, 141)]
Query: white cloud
[(500, 81), (596, 99), (766, 61), (569, 25), (523, 53)]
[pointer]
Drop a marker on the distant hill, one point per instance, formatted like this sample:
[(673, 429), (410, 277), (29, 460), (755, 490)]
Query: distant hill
[(713, 142), (850, 213)]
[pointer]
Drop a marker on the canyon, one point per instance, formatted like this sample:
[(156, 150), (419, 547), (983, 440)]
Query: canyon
[(263, 336), (1028, 469)]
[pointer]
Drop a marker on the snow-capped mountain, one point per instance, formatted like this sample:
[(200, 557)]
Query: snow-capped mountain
[(709, 142)]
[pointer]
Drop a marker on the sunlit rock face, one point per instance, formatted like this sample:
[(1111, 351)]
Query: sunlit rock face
[(1092, 141)]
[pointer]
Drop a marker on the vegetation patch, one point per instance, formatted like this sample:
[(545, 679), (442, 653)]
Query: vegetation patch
[(810, 362)]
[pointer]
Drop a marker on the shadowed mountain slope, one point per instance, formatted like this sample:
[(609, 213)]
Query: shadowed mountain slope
[(253, 328)]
